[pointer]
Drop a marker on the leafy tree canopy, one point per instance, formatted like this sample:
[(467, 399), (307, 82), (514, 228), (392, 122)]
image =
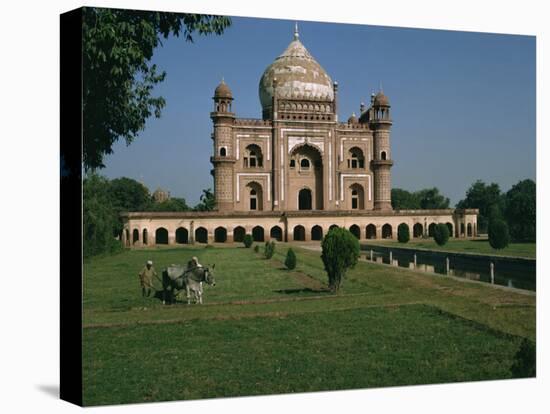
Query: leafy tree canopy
[(486, 198), (100, 221), (129, 195), (172, 204), (207, 201), (429, 198), (118, 78), (404, 200), (520, 210)]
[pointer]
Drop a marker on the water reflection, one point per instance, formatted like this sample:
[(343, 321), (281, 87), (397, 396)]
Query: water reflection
[(513, 274)]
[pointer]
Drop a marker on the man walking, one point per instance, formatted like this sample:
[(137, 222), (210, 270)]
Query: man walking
[(146, 278), (193, 263)]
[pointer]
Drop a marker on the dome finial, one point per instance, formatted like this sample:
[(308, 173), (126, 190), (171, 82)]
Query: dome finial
[(296, 34)]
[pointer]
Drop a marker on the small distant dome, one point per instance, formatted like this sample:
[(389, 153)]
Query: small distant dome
[(161, 195), (223, 91), (353, 119), (381, 100)]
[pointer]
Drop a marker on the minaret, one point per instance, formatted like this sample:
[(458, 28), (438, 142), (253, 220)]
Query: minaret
[(380, 122), (224, 151)]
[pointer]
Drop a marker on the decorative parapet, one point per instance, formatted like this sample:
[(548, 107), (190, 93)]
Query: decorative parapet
[(297, 213), (382, 163), (253, 122), (345, 125)]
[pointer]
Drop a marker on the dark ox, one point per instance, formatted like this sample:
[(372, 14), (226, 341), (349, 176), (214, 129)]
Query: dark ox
[(176, 278)]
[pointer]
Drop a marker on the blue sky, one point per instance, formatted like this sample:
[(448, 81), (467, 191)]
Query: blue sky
[(463, 104)]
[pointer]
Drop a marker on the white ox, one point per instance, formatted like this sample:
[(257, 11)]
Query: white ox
[(175, 278)]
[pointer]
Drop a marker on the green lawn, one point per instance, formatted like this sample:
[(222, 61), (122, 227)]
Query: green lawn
[(266, 330), (479, 246)]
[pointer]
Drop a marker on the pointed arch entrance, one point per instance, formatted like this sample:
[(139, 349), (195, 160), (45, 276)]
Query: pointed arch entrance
[(306, 172)]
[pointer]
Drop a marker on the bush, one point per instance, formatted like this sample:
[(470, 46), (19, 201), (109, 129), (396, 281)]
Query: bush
[(269, 249), (525, 360), (441, 234), (248, 240), (257, 248), (340, 253), (499, 237), (290, 261), (403, 234)]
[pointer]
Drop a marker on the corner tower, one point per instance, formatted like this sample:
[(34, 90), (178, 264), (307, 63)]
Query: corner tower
[(223, 159), (380, 122)]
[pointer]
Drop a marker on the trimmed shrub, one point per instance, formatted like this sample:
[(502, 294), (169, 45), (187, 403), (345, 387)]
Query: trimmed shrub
[(403, 234), (290, 260), (248, 240), (441, 234), (340, 253), (525, 360), (499, 236), (269, 249), (257, 248)]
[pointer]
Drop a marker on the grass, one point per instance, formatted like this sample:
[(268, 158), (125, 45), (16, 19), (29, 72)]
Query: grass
[(477, 246), (264, 329)]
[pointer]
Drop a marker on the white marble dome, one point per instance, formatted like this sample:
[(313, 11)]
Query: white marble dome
[(298, 76)]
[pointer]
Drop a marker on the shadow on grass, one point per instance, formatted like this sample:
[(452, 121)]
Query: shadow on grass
[(179, 299)]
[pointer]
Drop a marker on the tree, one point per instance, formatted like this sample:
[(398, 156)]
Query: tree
[(172, 204), (499, 236), (248, 240), (207, 201), (441, 234), (486, 198), (129, 195), (403, 234), (404, 200), (118, 78), (430, 198), (290, 260), (340, 251), (520, 210), (99, 218)]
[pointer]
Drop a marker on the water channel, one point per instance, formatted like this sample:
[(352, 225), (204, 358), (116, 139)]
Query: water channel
[(518, 273)]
